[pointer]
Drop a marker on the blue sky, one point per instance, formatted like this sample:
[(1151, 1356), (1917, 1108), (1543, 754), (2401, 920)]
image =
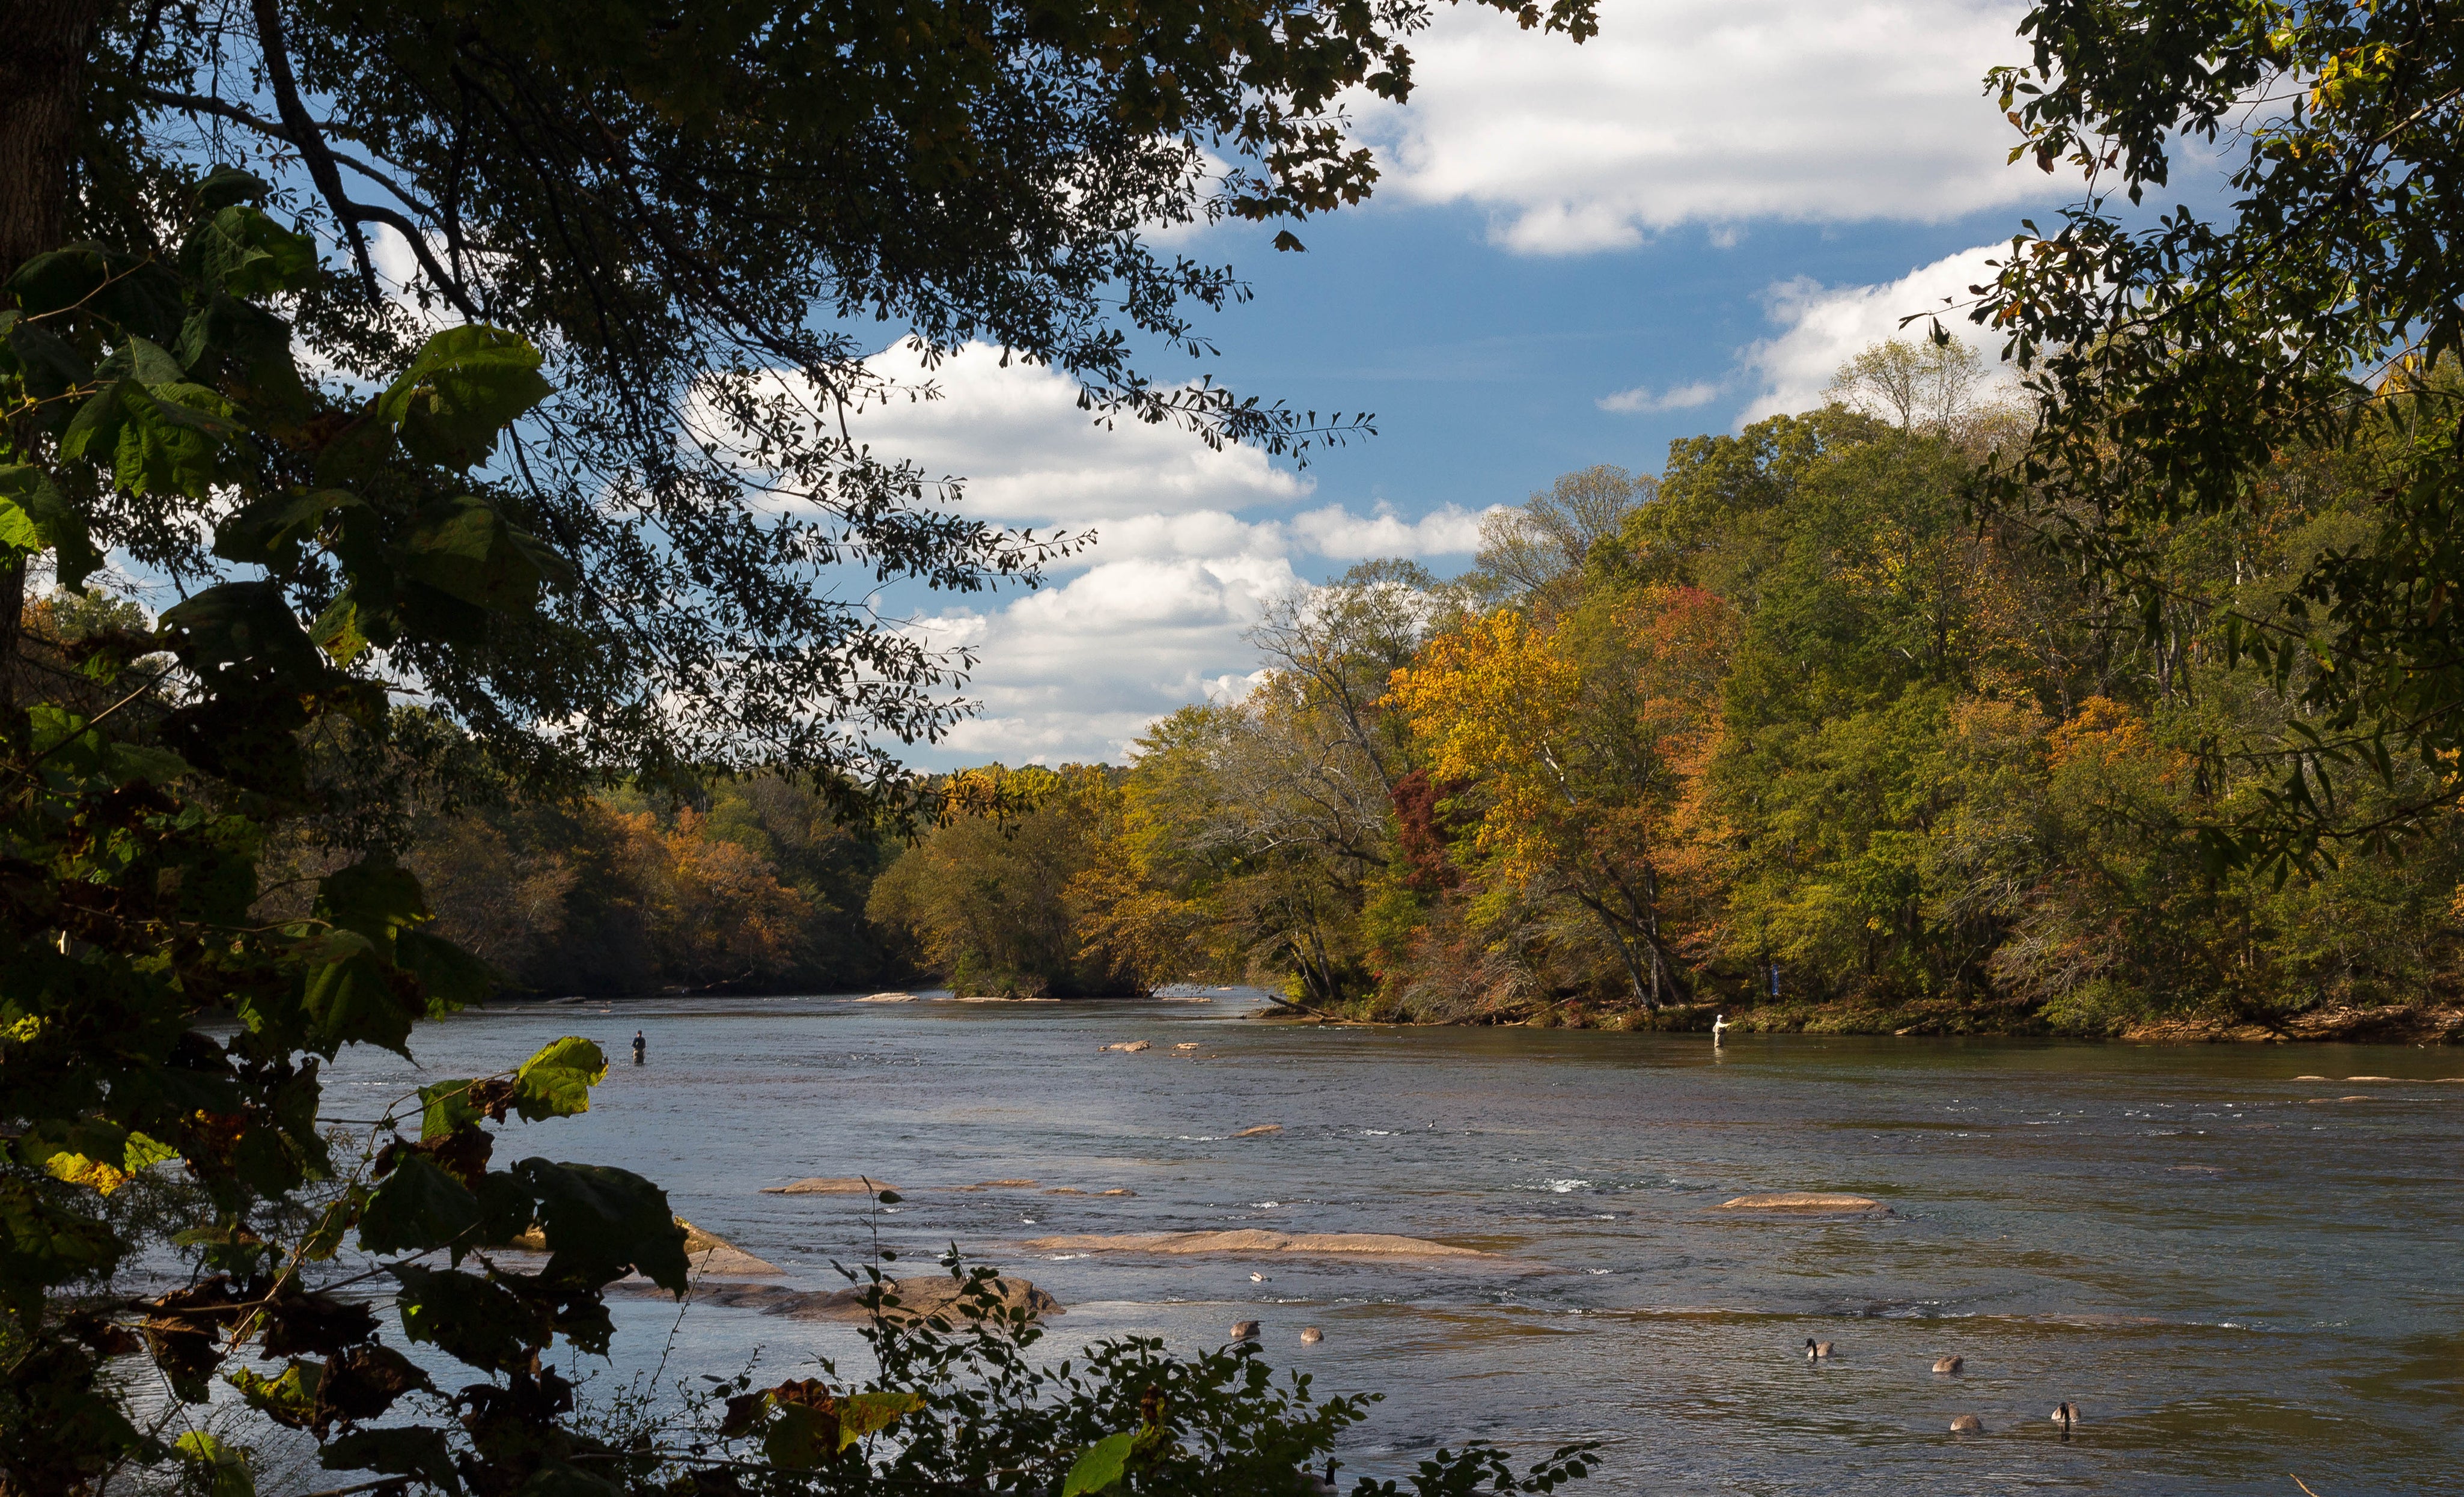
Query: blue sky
[(1576, 254)]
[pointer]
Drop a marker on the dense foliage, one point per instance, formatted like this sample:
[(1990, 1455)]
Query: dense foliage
[(2197, 373), (1785, 723)]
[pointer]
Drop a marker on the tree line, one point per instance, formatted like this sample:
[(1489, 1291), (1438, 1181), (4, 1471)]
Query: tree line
[(1793, 721)]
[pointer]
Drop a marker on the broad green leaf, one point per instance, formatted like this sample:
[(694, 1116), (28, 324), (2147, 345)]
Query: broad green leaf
[(18, 530), (246, 625), (146, 362), (269, 532), (223, 1469), (446, 1106), (468, 1318), (467, 385), (52, 367), (337, 630), (418, 1208), (376, 898), (56, 523), (798, 1435), (452, 978), (465, 549), (601, 1221), (171, 439), (356, 1002), (861, 1414), (556, 1081), (1100, 1466), (416, 1451), (242, 252), (290, 1399), (140, 762), (135, 293)]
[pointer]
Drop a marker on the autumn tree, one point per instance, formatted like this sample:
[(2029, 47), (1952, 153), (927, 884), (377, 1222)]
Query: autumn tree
[(1578, 743)]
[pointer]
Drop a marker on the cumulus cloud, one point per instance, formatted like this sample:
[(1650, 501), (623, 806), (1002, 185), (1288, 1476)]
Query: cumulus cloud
[(1192, 545), (1639, 401), (1828, 325), (1158, 618), (1015, 434), (1707, 111)]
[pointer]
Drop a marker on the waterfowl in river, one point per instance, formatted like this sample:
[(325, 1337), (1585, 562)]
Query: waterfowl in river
[(1967, 1424), (1948, 1364), (1311, 1336), (1818, 1350), (2067, 1415), (1245, 1331)]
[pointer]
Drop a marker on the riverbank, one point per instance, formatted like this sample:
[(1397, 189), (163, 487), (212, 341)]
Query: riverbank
[(2391, 1024)]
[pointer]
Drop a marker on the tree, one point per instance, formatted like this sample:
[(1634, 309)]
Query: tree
[(1924, 386), (1578, 743), (698, 216), (2191, 367), (990, 899)]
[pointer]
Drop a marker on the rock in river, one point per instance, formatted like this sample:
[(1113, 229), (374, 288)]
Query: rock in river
[(1254, 1240), (1808, 1203), (935, 1295), (828, 1185)]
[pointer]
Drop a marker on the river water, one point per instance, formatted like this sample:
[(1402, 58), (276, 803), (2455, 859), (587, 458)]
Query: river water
[(2239, 1276)]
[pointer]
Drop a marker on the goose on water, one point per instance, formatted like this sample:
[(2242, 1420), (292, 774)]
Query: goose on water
[(1948, 1364), (1245, 1331), (2067, 1415), (1815, 1350)]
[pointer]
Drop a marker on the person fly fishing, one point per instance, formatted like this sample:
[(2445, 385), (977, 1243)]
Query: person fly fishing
[(641, 1048)]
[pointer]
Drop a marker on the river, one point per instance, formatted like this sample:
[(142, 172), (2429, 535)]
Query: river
[(2238, 1275)]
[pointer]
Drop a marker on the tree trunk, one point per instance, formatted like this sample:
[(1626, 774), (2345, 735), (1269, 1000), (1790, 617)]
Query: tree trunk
[(43, 46)]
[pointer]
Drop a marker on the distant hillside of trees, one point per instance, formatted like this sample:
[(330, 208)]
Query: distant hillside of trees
[(1785, 723)]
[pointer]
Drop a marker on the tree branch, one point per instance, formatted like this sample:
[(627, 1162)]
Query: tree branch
[(198, 104), (310, 141)]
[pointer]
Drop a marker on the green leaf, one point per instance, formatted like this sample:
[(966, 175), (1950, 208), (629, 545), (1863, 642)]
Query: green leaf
[(52, 367), (222, 1470), (357, 1002), (1100, 1466), (375, 897), (243, 626), (798, 1435), (861, 1414), (269, 532), (465, 549), (451, 978), (556, 1081), (242, 252), (18, 530), (290, 1399), (146, 362), (417, 1209), (417, 1451), (467, 385), (601, 1222), (30, 493), (140, 762), (468, 1318), (337, 630)]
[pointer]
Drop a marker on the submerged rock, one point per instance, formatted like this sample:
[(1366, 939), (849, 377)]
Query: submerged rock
[(1131, 1047), (1261, 1129)]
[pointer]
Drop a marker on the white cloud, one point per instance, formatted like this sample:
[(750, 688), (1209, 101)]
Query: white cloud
[(1708, 111), (1828, 325), (1078, 669), (1639, 401), (1015, 434), (1339, 533)]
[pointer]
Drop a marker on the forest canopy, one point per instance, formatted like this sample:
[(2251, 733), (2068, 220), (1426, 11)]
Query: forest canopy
[(1786, 722)]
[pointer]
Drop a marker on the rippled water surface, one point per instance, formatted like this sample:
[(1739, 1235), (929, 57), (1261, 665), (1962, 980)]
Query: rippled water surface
[(2237, 1274)]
